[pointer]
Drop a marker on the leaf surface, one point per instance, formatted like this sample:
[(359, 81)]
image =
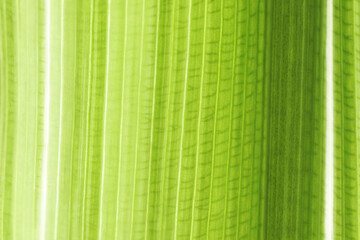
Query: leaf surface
[(167, 119)]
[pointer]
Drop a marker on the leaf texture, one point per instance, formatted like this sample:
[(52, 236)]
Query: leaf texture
[(295, 194), (168, 119), (346, 115)]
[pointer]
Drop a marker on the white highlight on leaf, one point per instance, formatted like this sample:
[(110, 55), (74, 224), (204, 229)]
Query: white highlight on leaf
[(329, 197), (121, 120), (183, 121), (105, 115), (60, 118)]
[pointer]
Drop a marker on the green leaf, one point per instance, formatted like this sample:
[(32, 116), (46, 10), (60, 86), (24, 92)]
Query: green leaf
[(346, 115), (296, 159), (166, 119)]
